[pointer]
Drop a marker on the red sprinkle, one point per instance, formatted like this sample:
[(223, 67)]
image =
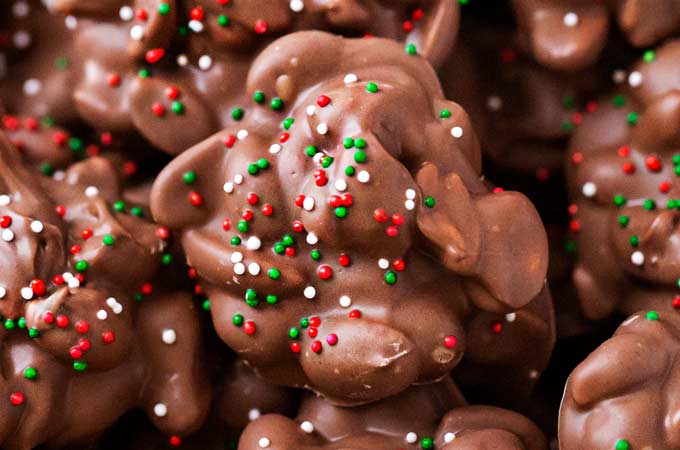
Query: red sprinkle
[(653, 163), (196, 13), (252, 198), (312, 332), (82, 326), (16, 398), (316, 346), (158, 109), (175, 441), (343, 260), (267, 209), (323, 100), (86, 233), (48, 317), (260, 26), (108, 337), (249, 328), (664, 187), (113, 79), (628, 168), (314, 321), (332, 339), (84, 344), (195, 199), (298, 227), (226, 224), (229, 141), (354, 314), (75, 352), (497, 327), (62, 321), (379, 215), (450, 341), (399, 265), (162, 232), (5, 221), (392, 231), (295, 347), (154, 55)]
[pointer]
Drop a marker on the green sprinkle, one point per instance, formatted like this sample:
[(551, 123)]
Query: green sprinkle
[(304, 322), (253, 169), (672, 204), (178, 107), (411, 49), (242, 226), (79, 366), (619, 200), (235, 241), (326, 162), (189, 177), (624, 221), (340, 212), (61, 62), (427, 443), (294, 333), (206, 305), (619, 100), (360, 143), (139, 296), (350, 171), (163, 9), (258, 97), (30, 373), (237, 319), (348, 142), (429, 201), (311, 150), (287, 122), (444, 114), (262, 163), (183, 30), (288, 240), (276, 104), (81, 266), (33, 333), (272, 299), (649, 204), (371, 87), (144, 73), (315, 254), (632, 118), (46, 169), (274, 273), (360, 156), (652, 315), (567, 126), (634, 240), (568, 102), (237, 113), (166, 259), (136, 211), (75, 144), (222, 20), (10, 324), (676, 159), (21, 322), (108, 240), (570, 246), (119, 206), (251, 294), (279, 248), (648, 56), (390, 277), (677, 170)]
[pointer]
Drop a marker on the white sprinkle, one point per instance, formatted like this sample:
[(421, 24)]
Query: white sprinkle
[(236, 257), (254, 268), (456, 132), (21, 39), (238, 178), (274, 149), (510, 317), (494, 102), (59, 175), (169, 336), (126, 13), (196, 26), (5, 200), (312, 239), (71, 22), (637, 258), (307, 427), (619, 76), (570, 19), (309, 292), (111, 302), (264, 442), (533, 374), (253, 243), (239, 268), (351, 78), (318, 157), (102, 315), (322, 128), (37, 226), (32, 86), (228, 187), (411, 437), (137, 32), (363, 176), (182, 60), (311, 110), (308, 203), (3, 292), (67, 276), (448, 437), (254, 414), (345, 301), (7, 235), (383, 263), (411, 194), (296, 5), (117, 309), (26, 293), (340, 184), (73, 283), (160, 409), (409, 204), (20, 9), (205, 62), (589, 189), (635, 79), (242, 134), (91, 191)]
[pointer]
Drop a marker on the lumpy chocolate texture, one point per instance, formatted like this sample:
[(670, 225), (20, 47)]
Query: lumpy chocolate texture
[(132, 70), (346, 240), (77, 349), (421, 417), (623, 167), (624, 395), (570, 35)]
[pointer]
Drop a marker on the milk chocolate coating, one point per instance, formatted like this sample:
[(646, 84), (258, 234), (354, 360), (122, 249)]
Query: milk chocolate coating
[(409, 420), (209, 66), (623, 180), (95, 351), (624, 395), (396, 285), (570, 35)]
